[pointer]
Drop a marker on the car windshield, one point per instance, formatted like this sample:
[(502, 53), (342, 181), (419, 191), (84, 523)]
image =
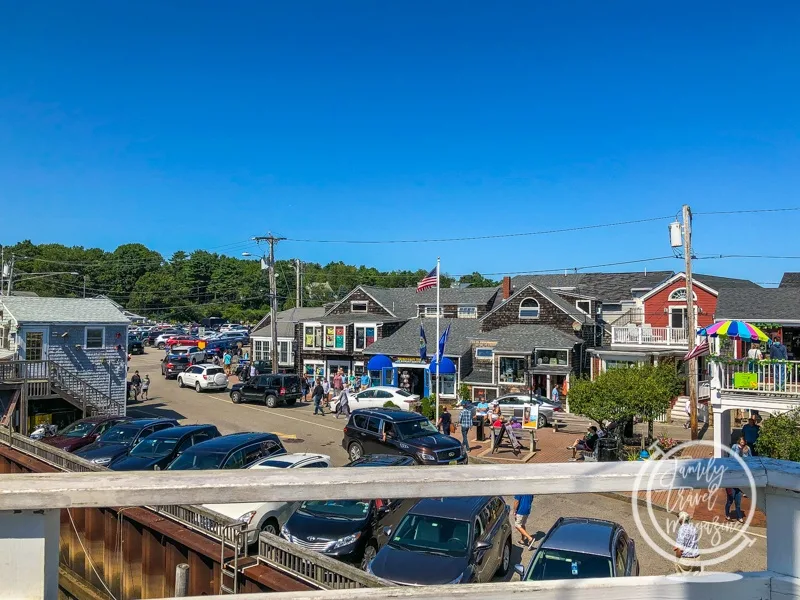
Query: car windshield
[(420, 427), (345, 509), (432, 535), (402, 393), (562, 564), (153, 448), (196, 461), (77, 430), (121, 434), (277, 464), (179, 351)]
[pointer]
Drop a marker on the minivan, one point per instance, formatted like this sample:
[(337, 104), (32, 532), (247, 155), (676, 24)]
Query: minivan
[(234, 451)]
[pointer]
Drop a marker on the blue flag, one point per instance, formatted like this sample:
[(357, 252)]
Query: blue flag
[(442, 342), (423, 344)]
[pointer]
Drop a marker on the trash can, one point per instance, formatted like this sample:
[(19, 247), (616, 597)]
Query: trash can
[(607, 450), (479, 430)]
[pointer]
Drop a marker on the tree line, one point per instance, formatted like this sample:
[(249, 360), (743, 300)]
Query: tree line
[(189, 286)]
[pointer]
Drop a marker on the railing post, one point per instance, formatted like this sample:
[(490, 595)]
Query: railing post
[(29, 553), (783, 531), (669, 336)]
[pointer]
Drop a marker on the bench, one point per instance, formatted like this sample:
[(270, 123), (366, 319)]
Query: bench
[(520, 434), (570, 422)]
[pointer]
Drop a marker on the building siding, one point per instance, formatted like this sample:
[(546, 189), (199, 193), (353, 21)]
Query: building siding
[(358, 295), (549, 314), (655, 305)]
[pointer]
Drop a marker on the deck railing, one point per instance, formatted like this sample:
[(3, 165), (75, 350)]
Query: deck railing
[(645, 335), (779, 378)]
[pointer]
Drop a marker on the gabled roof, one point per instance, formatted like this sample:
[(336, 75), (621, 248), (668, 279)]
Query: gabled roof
[(716, 282), (526, 338), (286, 321), (790, 280), (62, 310), (574, 312), (606, 287), (759, 304), (405, 341), (673, 279)]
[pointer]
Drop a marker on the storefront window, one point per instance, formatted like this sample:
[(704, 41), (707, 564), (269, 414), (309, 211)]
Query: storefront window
[(512, 370), (484, 394), (552, 357), (334, 337), (312, 337), (365, 337), (447, 384), (314, 369), (283, 350), (339, 338)]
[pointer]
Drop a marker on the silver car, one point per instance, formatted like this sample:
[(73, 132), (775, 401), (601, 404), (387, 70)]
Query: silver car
[(512, 405)]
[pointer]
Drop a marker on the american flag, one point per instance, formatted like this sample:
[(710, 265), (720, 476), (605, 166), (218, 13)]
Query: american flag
[(697, 351), (428, 281)]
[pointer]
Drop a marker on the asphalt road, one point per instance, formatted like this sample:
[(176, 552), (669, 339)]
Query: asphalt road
[(301, 431)]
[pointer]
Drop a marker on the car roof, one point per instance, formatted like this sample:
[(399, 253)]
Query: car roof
[(590, 536), (232, 441), (388, 388), (103, 419), (393, 414), (454, 508), (182, 347), (180, 431), (292, 459), (144, 422), (382, 460)]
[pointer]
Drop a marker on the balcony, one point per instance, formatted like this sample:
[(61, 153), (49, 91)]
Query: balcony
[(760, 385), (28, 503), (647, 336)]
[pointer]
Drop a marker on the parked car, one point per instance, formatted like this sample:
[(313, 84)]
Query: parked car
[(155, 334), (270, 516), (350, 530), (447, 540), (235, 337), (182, 340), (376, 397), (173, 364), (393, 431), (269, 389), (135, 345), (119, 439), (82, 433), (156, 451), (512, 405), (203, 377), (195, 354), (234, 451), (578, 548)]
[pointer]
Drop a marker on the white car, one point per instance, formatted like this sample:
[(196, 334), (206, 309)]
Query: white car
[(203, 377), (376, 397), (270, 516), (195, 354)]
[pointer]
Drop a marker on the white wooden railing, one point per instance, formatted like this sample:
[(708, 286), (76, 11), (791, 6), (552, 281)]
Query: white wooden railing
[(645, 335), (28, 503), (780, 378)]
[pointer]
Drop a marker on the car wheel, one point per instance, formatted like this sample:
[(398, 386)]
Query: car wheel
[(197, 386), (355, 451), (271, 401), (542, 421), (291, 402), (236, 397), (271, 526), (161, 346), (369, 553), (180, 381), (505, 559)]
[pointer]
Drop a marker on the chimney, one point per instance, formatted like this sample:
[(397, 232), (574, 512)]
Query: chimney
[(506, 287)]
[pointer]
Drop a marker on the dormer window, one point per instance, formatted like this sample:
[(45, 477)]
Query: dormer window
[(359, 306), (529, 309)]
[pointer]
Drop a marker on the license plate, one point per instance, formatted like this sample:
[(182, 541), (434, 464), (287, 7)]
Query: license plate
[(453, 462)]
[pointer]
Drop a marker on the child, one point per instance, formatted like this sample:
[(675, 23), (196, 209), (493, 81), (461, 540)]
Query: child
[(145, 387)]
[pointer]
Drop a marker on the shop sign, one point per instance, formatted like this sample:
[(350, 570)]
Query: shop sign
[(407, 359)]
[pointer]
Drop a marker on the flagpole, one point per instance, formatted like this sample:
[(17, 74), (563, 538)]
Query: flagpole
[(438, 358)]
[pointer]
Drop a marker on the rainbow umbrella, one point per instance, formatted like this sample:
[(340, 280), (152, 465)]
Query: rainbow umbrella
[(739, 330)]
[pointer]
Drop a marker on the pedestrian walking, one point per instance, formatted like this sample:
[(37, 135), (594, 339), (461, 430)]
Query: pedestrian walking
[(145, 387), (686, 546), (465, 420), (445, 422), (226, 361), (326, 390), (316, 396), (733, 498), (750, 433), (338, 382), (343, 405), (136, 383), (522, 510), (554, 394)]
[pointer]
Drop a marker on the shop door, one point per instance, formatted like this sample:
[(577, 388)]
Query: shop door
[(35, 350)]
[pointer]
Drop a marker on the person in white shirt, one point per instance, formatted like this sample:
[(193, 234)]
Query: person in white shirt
[(687, 548)]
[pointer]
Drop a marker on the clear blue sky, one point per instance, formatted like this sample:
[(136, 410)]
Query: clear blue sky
[(196, 124)]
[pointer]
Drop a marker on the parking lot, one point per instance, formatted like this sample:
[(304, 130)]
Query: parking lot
[(302, 431)]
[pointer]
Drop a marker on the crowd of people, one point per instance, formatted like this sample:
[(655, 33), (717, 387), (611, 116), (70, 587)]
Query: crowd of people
[(339, 387)]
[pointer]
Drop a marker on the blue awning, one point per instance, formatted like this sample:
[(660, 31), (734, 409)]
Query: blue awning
[(447, 367), (379, 362)]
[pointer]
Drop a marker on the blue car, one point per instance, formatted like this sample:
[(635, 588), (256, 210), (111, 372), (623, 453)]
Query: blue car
[(119, 439), (159, 449)]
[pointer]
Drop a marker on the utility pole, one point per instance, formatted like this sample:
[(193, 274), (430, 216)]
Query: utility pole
[(11, 276), (2, 267), (84, 285), (273, 297), (690, 320), (299, 300)]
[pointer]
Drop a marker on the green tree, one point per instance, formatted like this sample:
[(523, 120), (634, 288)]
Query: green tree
[(477, 280), (779, 436)]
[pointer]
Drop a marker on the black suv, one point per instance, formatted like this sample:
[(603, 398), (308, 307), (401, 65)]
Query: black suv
[(174, 364), (447, 540), (393, 431), (350, 530), (234, 451), (135, 345), (159, 449), (269, 389)]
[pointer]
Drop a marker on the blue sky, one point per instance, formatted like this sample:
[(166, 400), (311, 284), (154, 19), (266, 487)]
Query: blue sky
[(196, 124)]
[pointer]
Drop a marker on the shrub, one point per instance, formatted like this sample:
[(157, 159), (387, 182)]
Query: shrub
[(390, 404)]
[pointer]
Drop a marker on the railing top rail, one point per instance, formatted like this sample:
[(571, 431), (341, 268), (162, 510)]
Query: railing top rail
[(66, 490)]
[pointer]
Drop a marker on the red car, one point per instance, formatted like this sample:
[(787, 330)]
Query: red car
[(83, 432), (182, 340)]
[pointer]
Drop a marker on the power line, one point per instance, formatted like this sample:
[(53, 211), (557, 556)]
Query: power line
[(748, 211)]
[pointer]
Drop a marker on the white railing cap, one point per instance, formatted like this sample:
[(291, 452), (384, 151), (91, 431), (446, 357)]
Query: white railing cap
[(66, 490)]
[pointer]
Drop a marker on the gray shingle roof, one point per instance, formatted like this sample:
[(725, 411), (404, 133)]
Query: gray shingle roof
[(607, 287), (286, 320), (555, 299), (347, 318), (478, 375), (759, 304), (717, 283), (405, 341), (403, 302), (62, 310), (790, 280), (525, 338)]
